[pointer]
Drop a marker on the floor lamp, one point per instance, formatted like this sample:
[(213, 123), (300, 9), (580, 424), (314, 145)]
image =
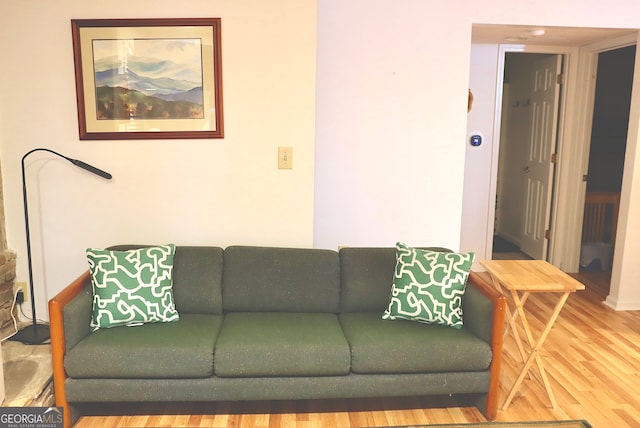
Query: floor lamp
[(37, 333)]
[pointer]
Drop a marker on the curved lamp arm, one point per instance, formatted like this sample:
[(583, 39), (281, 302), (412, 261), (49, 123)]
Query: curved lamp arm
[(76, 162)]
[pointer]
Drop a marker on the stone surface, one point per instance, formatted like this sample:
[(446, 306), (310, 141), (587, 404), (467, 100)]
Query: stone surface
[(7, 278), (27, 374)]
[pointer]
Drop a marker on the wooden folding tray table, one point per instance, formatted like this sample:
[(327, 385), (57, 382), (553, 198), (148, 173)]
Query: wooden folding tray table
[(519, 278)]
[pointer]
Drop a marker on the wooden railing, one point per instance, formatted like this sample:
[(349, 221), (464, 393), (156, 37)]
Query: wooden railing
[(600, 217)]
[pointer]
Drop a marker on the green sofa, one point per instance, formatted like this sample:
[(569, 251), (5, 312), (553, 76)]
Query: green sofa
[(267, 323)]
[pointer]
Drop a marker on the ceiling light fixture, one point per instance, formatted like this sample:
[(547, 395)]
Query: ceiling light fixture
[(537, 32)]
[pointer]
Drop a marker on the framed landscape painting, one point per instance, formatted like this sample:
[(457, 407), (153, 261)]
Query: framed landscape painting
[(148, 78)]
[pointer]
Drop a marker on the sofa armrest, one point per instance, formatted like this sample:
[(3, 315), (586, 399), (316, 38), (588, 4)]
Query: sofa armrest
[(480, 303), (68, 327), (484, 314)]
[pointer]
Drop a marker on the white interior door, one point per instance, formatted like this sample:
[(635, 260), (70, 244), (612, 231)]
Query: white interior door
[(538, 169)]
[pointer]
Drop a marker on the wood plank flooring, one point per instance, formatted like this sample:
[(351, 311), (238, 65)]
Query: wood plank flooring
[(597, 281), (592, 357)]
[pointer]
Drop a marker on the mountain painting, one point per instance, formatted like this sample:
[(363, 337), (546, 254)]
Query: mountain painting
[(148, 79)]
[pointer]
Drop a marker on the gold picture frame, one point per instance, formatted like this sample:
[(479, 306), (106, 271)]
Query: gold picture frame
[(148, 78)]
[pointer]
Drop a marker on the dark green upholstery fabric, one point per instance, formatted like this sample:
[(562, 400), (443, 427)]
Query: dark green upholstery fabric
[(77, 317), (197, 278), (280, 337), (281, 344), (276, 388), (183, 349), (280, 280), (366, 278), (478, 313), (384, 346)]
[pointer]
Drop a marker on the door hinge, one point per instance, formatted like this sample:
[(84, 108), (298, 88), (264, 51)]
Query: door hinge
[(554, 157), (585, 177), (547, 234), (560, 79)]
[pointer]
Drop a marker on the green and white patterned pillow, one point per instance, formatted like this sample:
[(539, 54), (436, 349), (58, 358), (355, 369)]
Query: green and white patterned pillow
[(428, 286), (132, 287)]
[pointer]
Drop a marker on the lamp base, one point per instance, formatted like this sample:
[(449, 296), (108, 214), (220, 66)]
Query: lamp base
[(33, 334)]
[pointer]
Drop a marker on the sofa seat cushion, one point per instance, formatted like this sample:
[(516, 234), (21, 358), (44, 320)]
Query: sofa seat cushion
[(401, 346), (182, 349), (281, 344)]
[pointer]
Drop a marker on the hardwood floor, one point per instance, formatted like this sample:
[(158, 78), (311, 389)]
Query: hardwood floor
[(592, 357), (597, 281)]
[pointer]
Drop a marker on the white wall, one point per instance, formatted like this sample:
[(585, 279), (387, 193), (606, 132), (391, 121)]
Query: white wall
[(214, 192), (391, 112), (390, 128), (392, 120)]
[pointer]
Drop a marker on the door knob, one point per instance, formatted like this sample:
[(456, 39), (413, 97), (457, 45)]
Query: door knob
[(526, 168)]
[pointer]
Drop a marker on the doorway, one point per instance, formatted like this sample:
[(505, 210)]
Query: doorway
[(607, 150), (580, 48), (528, 136)]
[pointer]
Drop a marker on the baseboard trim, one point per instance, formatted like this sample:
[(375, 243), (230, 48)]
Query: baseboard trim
[(617, 305)]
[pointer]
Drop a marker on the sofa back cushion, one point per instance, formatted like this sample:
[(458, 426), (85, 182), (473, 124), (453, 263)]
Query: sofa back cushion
[(197, 278), (367, 277), (271, 279)]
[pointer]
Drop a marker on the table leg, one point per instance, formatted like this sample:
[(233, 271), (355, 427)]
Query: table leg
[(525, 323), (535, 350)]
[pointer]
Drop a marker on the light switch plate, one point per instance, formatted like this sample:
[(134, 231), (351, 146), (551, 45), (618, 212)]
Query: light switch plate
[(285, 157)]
